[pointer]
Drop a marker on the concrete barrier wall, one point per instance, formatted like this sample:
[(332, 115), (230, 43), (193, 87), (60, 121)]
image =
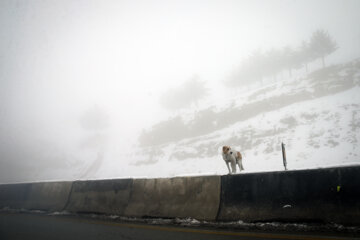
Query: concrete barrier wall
[(330, 195), (196, 197), (14, 195), (50, 196), (100, 196), (327, 195)]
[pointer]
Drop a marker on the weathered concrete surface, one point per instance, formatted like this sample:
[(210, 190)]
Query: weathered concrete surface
[(100, 196), (196, 197), (328, 195), (14, 195), (47, 196)]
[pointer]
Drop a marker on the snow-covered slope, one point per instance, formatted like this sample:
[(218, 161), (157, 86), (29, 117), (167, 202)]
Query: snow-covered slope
[(317, 117)]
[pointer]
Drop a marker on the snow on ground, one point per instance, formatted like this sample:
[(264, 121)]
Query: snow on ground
[(319, 126), (319, 132)]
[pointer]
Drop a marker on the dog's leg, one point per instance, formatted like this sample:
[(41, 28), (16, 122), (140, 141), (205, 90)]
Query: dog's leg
[(227, 164), (239, 163), (233, 165)]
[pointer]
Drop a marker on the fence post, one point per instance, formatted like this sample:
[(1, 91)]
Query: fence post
[(284, 155)]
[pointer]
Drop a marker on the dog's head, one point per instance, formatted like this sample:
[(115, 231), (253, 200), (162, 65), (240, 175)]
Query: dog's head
[(226, 149)]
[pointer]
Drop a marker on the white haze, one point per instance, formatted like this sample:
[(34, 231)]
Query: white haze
[(62, 60)]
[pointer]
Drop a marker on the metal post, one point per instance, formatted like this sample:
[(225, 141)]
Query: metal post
[(284, 155)]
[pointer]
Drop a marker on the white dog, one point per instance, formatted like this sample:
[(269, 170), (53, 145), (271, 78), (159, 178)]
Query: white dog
[(232, 157)]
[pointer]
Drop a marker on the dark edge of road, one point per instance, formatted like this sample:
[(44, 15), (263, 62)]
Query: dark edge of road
[(211, 228)]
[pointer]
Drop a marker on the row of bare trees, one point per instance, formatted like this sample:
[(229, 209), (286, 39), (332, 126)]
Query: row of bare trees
[(256, 67), (183, 96), (260, 65)]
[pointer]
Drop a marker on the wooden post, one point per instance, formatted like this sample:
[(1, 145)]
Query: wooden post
[(284, 155)]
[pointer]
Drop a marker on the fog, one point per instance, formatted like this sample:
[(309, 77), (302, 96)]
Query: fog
[(82, 81)]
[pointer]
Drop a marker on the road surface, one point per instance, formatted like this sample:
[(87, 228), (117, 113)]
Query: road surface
[(39, 226)]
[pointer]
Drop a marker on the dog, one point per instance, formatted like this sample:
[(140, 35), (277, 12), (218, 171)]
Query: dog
[(232, 157)]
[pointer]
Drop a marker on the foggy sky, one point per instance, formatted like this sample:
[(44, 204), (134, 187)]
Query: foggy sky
[(63, 60)]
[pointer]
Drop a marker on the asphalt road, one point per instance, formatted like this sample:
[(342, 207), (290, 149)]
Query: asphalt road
[(35, 226)]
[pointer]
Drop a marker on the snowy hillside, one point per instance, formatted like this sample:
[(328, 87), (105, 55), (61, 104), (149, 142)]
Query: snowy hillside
[(317, 117)]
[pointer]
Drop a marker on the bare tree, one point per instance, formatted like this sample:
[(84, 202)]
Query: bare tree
[(188, 93), (321, 45), (259, 65), (305, 55)]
